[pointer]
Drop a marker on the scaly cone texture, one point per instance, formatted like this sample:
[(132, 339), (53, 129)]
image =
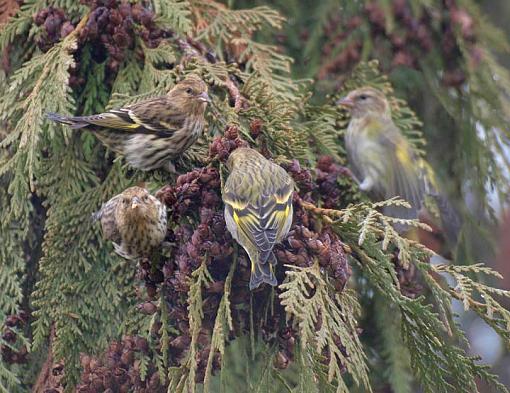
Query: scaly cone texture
[(186, 316), (197, 193)]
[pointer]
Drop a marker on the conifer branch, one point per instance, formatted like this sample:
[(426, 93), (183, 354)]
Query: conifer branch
[(190, 48)]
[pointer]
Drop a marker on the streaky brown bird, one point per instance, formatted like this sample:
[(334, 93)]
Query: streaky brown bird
[(135, 221), (152, 133)]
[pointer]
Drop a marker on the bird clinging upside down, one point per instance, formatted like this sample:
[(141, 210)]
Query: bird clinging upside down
[(385, 164), (135, 221), (154, 132), (258, 209)]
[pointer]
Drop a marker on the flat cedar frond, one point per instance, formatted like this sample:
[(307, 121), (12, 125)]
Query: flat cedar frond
[(439, 365), (393, 350), (222, 325), (321, 124), (175, 14), (154, 74), (372, 223), (44, 80), (224, 24), (477, 296), (326, 322), (278, 116), (223, 27), (183, 379)]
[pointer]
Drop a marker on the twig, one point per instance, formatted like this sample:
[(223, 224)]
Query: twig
[(327, 213), (193, 48), (47, 378), (79, 27)]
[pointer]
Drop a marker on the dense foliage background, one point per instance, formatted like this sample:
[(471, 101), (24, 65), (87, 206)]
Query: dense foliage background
[(359, 308)]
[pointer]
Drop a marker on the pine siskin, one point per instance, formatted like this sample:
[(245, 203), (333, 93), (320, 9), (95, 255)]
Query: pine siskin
[(384, 162), (258, 209), (135, 221), (151, 133)]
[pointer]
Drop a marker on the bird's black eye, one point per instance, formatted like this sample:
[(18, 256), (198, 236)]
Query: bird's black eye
[(363, 97), (125, 201), (189, 90)]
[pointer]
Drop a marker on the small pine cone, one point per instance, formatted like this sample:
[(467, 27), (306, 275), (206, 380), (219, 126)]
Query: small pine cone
[(461, 18), (376, 16), (9, 336), (13, 320), (256, 127), (141, 344), (454, 78), (295, 243), (181, 342), (167, 195), (41, 16), (127, 357), (281, 360), (66, 29), (302, 177), (210, 176), (403, 58), (354, 22), (156, 276), (154, 383), (398, 41), (423, 37), (147, 308), (151, 289), (231, 132)]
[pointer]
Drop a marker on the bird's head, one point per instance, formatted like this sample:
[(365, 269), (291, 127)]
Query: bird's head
[(191, 93), (366, 101), (136, 202), (240, 154)]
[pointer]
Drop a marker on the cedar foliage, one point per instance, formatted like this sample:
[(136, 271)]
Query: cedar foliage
[(186, 322)]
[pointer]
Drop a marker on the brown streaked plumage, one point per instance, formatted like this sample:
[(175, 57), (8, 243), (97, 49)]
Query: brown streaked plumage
[(135, 221), (258, 209), (154, 132)]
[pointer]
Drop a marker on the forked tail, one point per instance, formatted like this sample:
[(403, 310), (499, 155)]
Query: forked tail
[(263, 271), (74, 122)]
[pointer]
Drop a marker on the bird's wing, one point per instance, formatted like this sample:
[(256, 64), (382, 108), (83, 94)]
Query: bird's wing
[(157, 115), (108, 222), (262, 216), (356, 169), (404, 172)]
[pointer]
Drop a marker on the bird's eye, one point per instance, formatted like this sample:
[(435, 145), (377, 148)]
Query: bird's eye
[(363, 97), (125, 201), (189, 90)]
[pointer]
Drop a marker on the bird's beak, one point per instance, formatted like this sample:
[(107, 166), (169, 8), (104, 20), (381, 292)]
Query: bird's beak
[(345, 102), (204, 97), (135, 202)]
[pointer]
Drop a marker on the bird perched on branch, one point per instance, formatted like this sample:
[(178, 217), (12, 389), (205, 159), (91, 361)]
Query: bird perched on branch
[(154, 132), (135, 221), (384, 163), (258, 209)]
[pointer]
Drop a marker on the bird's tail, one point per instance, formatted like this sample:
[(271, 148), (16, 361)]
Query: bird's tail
[(263, 270), (451, 219), (74, 122)]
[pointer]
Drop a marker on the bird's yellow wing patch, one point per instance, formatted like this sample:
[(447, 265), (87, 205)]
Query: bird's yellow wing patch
[(403, 155)]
